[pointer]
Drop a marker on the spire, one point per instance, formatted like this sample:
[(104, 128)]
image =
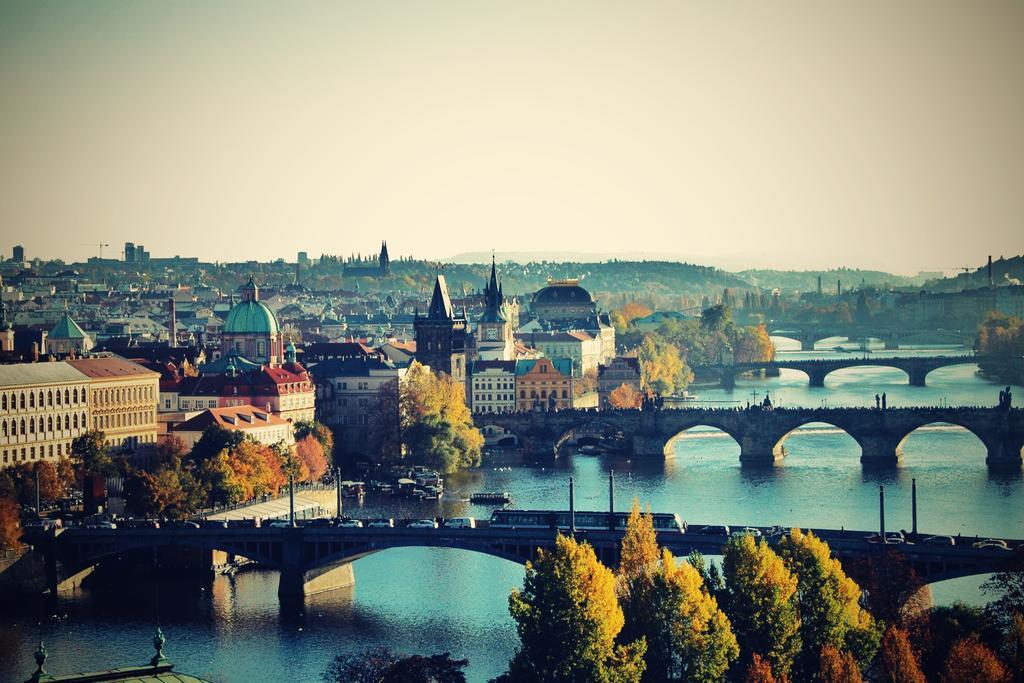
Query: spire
[(4, 324), (440, 301)]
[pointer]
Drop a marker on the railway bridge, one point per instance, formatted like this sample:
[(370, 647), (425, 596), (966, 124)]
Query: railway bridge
[(916, 367), (762, 433)]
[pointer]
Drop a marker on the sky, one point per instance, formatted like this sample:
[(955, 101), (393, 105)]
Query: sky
[(788, 134)]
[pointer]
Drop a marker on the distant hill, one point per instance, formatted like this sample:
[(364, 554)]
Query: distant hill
[(1004, 271), (851, 278)]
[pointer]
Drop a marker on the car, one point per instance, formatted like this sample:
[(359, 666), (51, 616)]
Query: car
[(381, 524), (460, 523), (318, 522), (895, 537), (186, 524), (348, 524), (280, 524), (993, 543), (422, 524), (746, 531), (938, 540), (248, 523), (102, 524), (777, 531), (714, 530), (215, 524)]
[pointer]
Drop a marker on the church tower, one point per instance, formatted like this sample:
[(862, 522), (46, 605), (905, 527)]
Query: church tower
[(6, 329), (441, 335), (493, 331), (384, 259)]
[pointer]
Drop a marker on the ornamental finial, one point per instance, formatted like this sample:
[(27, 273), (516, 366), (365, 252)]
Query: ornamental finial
[(158, 643), (40, 655)]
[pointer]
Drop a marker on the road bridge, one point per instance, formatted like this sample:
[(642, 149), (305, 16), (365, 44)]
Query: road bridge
[(316, 559), (916, 367), (761, 433), (809, 334)]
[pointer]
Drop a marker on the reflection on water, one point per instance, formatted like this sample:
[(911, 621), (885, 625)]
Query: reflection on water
[(435, 600)]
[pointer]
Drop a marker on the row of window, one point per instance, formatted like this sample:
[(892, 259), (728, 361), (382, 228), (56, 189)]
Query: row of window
[(50, 423), (122, 395), (27, 453), (27, 400), (493, 397), (489, 386), (132, 419)]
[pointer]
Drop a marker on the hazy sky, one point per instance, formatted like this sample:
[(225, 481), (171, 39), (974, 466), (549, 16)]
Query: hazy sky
[(794, 134)]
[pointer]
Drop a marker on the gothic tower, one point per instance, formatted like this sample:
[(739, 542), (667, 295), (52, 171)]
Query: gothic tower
[(441, 335), (384, 259), (493, 331)]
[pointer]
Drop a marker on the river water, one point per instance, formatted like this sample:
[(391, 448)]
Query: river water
[(434, 600)]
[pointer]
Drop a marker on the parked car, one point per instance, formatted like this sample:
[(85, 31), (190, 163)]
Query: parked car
[(215, 524), (895, 537), (348, 524), (995, 543), (422, 524), (185, 524), (318, 522), (939, 540), (714, 530), (461, 523), (280, 524), (381, 524), (251, 523)]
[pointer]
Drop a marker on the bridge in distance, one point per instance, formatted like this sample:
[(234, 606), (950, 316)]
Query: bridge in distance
[(760, 433), (916, 367), (316, 559)]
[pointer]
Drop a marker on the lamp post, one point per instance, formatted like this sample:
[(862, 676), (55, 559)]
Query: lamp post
[(913, 506), (611, 500), (291, 500), (572, 508), (337, 489), (881, 512)]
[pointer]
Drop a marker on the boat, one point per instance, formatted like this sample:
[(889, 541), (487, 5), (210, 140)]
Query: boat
[(491, 497), (589, 449)]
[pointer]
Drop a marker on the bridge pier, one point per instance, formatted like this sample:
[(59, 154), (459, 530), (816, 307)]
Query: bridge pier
[(817, 377), (1005, 455), (728, 379), (760, 452), (880, 452), (917, 376), (648, 446)]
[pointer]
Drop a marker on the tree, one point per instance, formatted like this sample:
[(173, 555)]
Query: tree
[(66, 475), (837, 667), (50, 486), (319, 431), (368, 666), (662, 370), (829, 604), (1007, 586), (625, 396), (969, 661), (664, 602), (896, 661), (760, 602), (91, 451), (311, 452), (1013, 647), (949, 624), (10, 522), (433, 669), (895, 593), (213, 441), (568, 617), (759, 671), (436, 426)]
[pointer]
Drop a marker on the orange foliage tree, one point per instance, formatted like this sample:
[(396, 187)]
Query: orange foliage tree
[(759, 671), (625, 396), (10, 525), (969, 661), (311, 453), (838, 667), (896, 661)]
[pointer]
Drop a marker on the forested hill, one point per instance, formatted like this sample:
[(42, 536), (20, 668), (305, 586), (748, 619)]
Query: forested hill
[(807, 280), (1004, 271)]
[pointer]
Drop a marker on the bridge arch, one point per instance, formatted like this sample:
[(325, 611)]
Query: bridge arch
[(944, 421), (520, 553), (669, 448), (592, 430), (497, 435), (949, 365), (779, 446), (880, 364)]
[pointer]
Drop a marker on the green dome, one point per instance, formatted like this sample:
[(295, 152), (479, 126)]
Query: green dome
[(251, 317)]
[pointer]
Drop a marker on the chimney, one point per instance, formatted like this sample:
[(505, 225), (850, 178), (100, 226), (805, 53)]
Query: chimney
[(819, 285), (990, 270), (172, 340), (839, 287)]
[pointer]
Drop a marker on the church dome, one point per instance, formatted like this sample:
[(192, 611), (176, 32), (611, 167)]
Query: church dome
[(567, 293), (251, 317)]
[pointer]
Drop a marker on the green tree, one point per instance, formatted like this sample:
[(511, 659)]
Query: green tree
[(90, 449), (213, 441), (896, 661), (368, 666), (662, 370), (567, 617), (436, 426), (829, 604), (665, 603), (433, 669), (760, 599), (1007, 587)]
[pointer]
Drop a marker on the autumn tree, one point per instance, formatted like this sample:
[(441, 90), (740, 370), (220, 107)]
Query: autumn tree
[(894, 591), (90, 450), (662, 370), (436, 426), (760, 596), (568, 617), (1007, 587), (663, 601), (896, 661), (311, 453), (319, 431), (213, 441), (829, 604), (835, 666), (969, 661), (1013, 647), (625, 396), (10, 522), (759, 670)]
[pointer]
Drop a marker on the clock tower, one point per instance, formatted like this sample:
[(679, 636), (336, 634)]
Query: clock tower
[(493, 330)]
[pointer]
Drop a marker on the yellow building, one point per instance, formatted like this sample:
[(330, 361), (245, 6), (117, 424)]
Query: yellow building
[(122, 400), (43, 407)]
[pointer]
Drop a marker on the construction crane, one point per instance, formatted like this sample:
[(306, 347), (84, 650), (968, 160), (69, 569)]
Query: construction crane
[(95, 244)]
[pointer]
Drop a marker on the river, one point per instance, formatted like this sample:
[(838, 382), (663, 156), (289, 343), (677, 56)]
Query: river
[(434, 600)]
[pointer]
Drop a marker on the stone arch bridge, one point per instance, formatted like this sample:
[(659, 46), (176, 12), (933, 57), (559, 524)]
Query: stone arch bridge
[(761, 434), (916, 367), (313, 560), (809, 334)]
